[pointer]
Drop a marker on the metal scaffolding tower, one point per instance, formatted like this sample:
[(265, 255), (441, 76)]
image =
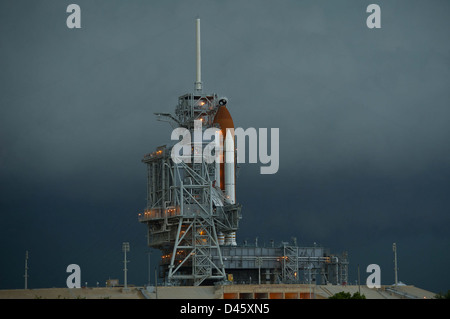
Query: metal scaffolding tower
[(290, 263), (186, 207)]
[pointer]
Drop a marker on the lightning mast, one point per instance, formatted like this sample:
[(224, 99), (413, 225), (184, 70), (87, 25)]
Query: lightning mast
[(26, 269), (394, 249), (125, 249), (198, 82)]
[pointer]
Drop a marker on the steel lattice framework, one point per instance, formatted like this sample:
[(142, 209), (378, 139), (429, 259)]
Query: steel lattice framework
[(185, 209)]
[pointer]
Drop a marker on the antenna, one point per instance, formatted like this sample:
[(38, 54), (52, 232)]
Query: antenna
[(198, 82), (26, 269)]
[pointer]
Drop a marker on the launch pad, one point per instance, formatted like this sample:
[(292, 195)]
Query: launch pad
[(192, 214)]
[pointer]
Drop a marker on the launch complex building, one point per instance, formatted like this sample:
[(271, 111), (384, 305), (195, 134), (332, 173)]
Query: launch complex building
[(192, 215)]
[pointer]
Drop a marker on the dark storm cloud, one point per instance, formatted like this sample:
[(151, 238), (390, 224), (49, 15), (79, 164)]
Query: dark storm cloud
[(362, 115)]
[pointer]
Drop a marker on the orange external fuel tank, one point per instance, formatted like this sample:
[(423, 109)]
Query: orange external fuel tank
[(225, 121)]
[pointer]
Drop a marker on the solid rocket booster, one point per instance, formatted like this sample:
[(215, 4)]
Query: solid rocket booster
[(219, 156), (230, 190)]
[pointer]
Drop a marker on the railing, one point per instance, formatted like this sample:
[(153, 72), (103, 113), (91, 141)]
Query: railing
[(156, 154), (159, 213)]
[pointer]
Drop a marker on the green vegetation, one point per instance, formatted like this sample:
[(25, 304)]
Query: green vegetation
[(443, 296), (347, 295)]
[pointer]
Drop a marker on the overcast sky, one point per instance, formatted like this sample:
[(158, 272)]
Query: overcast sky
[(363, 117)]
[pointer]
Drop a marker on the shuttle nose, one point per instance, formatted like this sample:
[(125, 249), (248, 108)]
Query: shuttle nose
[(223, 101)]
